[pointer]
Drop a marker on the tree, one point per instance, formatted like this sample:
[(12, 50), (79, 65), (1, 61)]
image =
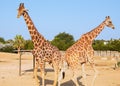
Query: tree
[(99, 45), (28, 45), (10, 41), (2, 40), (63, 40), (19, 42), (7, 49), (114, 45)]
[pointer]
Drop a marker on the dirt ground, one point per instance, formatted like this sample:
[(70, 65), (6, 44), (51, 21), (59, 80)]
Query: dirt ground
[(9, 72)]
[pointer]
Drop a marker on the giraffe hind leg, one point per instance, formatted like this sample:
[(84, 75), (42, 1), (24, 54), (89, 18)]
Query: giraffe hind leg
[(84, 74), (96, 73), (74, 78)]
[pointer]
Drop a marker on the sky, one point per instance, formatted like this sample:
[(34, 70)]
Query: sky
[(52, 17)]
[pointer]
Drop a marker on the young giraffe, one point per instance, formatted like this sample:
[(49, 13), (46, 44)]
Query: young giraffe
[(43, 51), (82, 51)]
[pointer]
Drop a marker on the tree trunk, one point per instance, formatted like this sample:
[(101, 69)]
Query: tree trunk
[(19, 55)]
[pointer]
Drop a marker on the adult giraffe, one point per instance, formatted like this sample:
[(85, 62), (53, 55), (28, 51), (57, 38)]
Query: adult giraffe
[(82, 51), (43, 51)]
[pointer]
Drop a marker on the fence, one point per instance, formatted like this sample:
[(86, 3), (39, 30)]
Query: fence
[(111, 54)]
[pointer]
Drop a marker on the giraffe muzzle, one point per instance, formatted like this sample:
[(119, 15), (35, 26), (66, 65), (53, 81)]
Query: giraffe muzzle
[(113, 27)]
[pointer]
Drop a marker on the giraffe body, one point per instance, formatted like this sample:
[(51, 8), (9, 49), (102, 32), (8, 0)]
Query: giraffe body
[(43, 51), (82, 51)]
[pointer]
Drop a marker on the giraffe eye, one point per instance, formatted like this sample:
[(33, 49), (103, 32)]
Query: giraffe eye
[(110, 22)]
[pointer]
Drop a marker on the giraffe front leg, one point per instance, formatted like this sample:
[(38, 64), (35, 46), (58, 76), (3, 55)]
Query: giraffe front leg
[(42, 68), (35, 73), (56, 77), (59, 78)]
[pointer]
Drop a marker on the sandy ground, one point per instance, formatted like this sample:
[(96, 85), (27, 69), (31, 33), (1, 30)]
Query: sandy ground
[(9, 73)]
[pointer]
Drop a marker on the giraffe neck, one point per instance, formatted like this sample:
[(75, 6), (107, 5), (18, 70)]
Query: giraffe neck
[(95, 32), (36, 37)]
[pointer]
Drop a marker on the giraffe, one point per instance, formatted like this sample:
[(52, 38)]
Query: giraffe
[(82, 51), (43, 51)]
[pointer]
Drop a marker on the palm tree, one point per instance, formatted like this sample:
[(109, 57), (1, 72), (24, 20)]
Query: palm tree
[(19, 43)]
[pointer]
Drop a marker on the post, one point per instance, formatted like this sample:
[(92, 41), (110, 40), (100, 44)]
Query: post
[(19, 64)]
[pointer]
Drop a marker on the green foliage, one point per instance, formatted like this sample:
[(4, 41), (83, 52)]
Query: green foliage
[(19, 42), (6, 46), (7, 49), (28, 45), (2, 40), (63, 41), (112, 45), (98, 45), (10, 41)]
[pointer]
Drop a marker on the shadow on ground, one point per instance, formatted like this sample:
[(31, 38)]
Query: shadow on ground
[(68, 83), (50, 82)]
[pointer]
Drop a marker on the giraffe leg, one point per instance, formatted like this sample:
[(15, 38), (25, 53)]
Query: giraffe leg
[(95, 75), (74, 77), (56, 69), (43, 78), (56, 78), (59, 78), (90, 59), (42, 68), (35, 73), (84, 74)]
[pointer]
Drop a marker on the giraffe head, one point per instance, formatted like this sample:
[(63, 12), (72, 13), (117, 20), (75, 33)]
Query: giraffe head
[(108, 22), (21, 10)]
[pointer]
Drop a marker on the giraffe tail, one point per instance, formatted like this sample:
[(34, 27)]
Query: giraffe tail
[(63, 74), (62, 71), (64, 67)]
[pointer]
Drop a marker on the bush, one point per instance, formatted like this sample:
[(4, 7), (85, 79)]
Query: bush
[(2, 40), (7, 49)]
